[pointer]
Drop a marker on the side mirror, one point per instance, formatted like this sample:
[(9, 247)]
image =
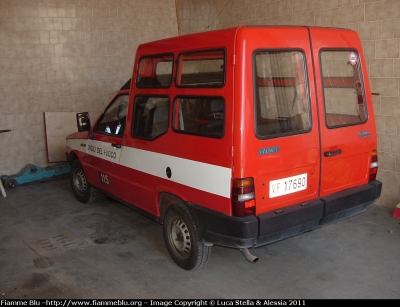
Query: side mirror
[(83, 123)]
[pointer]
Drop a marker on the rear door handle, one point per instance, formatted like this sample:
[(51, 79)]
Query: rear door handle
[(332, 153), (116, 145)]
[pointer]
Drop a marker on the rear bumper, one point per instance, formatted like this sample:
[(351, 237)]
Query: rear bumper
[(269, 227)]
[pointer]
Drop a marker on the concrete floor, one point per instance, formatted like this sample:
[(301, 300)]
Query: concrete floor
[(52, 246)]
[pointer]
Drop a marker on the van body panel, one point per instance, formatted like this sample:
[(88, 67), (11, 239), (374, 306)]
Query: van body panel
[(208, 152), (198, 171), (277, 121), (206, 179)]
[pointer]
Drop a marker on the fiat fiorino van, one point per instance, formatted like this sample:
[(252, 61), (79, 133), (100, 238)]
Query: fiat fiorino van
[(238, 137)]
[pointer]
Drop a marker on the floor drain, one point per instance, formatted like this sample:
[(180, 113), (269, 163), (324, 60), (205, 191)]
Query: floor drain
[(63, 241)]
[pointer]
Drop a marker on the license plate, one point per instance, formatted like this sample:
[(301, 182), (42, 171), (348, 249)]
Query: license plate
[(287, 185)]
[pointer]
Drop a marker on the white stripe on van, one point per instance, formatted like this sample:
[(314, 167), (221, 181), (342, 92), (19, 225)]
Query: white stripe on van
[(202, 176), (98, 149)]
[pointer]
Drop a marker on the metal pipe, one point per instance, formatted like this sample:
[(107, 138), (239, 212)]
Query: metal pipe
[(3, 192), (249, 257)]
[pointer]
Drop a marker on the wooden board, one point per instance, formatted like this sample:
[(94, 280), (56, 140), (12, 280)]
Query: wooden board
[(57, 126)]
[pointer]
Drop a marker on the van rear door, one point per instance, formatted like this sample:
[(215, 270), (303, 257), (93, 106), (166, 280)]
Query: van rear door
[(281, 151), (347, 125)]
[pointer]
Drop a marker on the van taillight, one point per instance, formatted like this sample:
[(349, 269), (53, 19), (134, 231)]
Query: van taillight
[(243, 200), (373, 168)]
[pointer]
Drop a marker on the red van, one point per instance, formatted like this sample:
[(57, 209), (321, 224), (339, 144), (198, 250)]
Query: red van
[(238, 137)]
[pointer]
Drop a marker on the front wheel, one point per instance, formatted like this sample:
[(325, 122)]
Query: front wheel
[(183, 240), (82, 189), (11, 184)]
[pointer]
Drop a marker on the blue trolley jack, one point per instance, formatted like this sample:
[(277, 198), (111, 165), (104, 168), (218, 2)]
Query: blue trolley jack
[(31, 173)]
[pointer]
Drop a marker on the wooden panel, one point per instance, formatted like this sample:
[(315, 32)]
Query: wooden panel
[(57, 126)]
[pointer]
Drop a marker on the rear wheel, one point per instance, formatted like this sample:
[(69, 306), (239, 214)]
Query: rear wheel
[(183, 240), (82, 189)]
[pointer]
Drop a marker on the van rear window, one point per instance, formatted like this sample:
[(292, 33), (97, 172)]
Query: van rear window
[(281, 93), (155, 71), (343, 88), (203, 116), (201, 69)]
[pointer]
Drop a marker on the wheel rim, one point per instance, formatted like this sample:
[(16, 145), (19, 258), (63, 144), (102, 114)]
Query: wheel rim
[(179, 237), (80, 182)]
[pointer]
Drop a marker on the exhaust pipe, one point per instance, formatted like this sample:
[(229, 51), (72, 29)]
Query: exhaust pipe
[(249, 257)]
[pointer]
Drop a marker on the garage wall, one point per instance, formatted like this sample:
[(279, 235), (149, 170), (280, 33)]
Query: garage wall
[(66, 55), (378, 24)]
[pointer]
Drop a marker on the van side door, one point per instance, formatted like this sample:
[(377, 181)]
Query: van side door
[(144, 168), (105, 149)]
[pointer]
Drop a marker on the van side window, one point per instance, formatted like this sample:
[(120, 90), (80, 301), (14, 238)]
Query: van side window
[(281, 93), (343, 88), (151, 116), (203, 116), (113, 119), (155, 71), (201, 69)]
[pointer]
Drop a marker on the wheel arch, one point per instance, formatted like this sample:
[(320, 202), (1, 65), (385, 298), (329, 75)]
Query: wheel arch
[(71, 157), (174, 212), (166, 200), (82, 188)]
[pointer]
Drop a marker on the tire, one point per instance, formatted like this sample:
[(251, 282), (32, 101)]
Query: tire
[(10, 184), (82, 189), (183, 240)]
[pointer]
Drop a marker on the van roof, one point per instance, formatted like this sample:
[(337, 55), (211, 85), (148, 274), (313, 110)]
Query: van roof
[(211, 38)]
